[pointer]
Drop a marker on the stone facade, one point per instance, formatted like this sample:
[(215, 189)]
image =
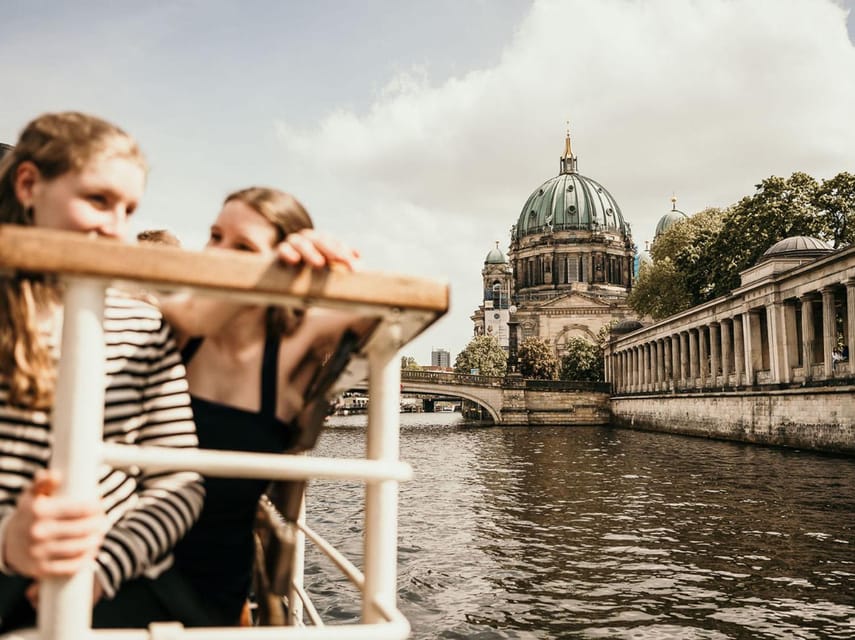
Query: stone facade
[(767, 363)]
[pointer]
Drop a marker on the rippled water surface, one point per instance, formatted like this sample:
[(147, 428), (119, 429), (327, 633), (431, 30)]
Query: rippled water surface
[(554, 532)]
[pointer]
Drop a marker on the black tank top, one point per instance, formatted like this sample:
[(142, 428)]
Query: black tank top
[(216, 555)]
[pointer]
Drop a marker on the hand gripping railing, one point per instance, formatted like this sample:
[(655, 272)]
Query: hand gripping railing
[(402, 306)]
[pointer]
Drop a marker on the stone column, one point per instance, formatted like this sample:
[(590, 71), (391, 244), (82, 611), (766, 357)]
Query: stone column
[(753, 353), (675, 360), (791, 341), (643, 355), (850, 322), (829, 331), (669, 370), (703, 356), (654, 364), (739, 358), (715, 351), (774, 332), (726, 352), (660, 365), (694, 371), (684, 358), (630, 373), (808, 335)]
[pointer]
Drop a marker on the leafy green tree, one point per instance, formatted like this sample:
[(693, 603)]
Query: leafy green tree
[(409, 362), (780, 208), (659, 291), (537, 360), (835, 198), (679, 275), (582, 360), (484, 354)]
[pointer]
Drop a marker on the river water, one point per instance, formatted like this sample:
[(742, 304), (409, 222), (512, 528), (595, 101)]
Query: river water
[(578, 532)]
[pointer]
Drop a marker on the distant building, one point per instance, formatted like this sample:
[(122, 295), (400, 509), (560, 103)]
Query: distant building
[(440, 358)]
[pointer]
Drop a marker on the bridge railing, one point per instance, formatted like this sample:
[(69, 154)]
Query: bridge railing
[(443, 377), (514, 382)]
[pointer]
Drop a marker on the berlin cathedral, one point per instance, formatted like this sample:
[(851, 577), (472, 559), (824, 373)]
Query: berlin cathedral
[(569, 268)]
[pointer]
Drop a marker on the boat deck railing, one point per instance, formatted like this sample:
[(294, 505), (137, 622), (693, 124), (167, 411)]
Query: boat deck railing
[(395, 309)]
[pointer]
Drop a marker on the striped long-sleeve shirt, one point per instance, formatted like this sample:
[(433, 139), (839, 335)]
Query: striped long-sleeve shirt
[(146, 403)]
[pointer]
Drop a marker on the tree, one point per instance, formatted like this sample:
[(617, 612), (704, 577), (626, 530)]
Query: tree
[(659, 291), (537, 359), (835, 198), (483, 354), (409, 362), (781, 207), (679, 276), (582, 360)]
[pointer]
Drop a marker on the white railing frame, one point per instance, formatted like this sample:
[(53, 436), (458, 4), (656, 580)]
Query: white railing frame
[(65, 604)]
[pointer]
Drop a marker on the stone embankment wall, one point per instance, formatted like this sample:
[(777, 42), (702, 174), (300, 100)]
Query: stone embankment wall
[(821, 419), (533, 402)]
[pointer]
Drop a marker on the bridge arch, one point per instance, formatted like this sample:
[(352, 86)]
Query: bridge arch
[(495, 412)]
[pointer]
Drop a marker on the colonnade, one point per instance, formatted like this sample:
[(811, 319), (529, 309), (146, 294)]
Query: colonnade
[(789, 333)]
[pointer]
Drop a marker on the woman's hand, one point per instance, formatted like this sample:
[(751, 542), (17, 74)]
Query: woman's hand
[(316, 250), (50, 536)]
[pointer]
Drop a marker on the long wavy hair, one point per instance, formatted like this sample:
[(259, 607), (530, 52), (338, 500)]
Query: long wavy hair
[(287, 215), (55, 143)]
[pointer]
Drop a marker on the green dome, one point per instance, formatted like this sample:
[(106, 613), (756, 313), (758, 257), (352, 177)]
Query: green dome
[(570, 201), (495, 256), (669, 219)]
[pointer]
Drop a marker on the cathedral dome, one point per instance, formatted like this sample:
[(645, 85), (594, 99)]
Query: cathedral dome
[(495, 256), (568, 202), (669, 219)]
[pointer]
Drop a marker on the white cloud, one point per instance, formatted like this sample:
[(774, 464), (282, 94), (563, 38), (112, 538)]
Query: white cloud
[(701, 98)]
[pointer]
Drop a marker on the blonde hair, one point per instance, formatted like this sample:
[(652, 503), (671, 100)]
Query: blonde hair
[(287, 216), (55, 143)]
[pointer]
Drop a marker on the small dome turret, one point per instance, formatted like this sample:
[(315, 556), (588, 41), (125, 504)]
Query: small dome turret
[(669, 219), (495, 256)]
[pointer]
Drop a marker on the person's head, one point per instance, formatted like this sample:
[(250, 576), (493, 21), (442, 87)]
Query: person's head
[(68, 171), (72, 171), (257, 219), (158, 236)]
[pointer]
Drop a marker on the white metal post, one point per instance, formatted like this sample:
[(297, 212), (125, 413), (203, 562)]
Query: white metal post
[(298, 567), (381, 498), (65, 604)]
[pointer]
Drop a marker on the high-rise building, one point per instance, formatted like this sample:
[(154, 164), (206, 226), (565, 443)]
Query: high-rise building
[(440, 358)]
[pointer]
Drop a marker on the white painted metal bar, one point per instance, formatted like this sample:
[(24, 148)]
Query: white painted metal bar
[(65, 604), (381, 499), (345, 566), (228, 464), (298, 563), (303, 598), (398, 630)]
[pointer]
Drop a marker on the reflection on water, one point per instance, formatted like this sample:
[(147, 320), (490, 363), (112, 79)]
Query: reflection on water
[(551, 532)]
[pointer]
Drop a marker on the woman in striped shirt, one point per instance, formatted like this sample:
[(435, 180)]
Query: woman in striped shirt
[(75, 172)]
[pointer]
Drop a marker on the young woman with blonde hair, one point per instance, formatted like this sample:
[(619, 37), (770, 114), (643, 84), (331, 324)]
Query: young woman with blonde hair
[(75, 172)]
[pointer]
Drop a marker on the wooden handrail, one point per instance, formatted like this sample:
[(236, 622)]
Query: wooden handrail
[(52, 251)]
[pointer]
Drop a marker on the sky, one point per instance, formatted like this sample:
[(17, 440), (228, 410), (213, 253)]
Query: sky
[(415, 131)]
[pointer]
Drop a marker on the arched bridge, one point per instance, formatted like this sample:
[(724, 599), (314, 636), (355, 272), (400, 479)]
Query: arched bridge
[(487, 391), (513, 400)]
